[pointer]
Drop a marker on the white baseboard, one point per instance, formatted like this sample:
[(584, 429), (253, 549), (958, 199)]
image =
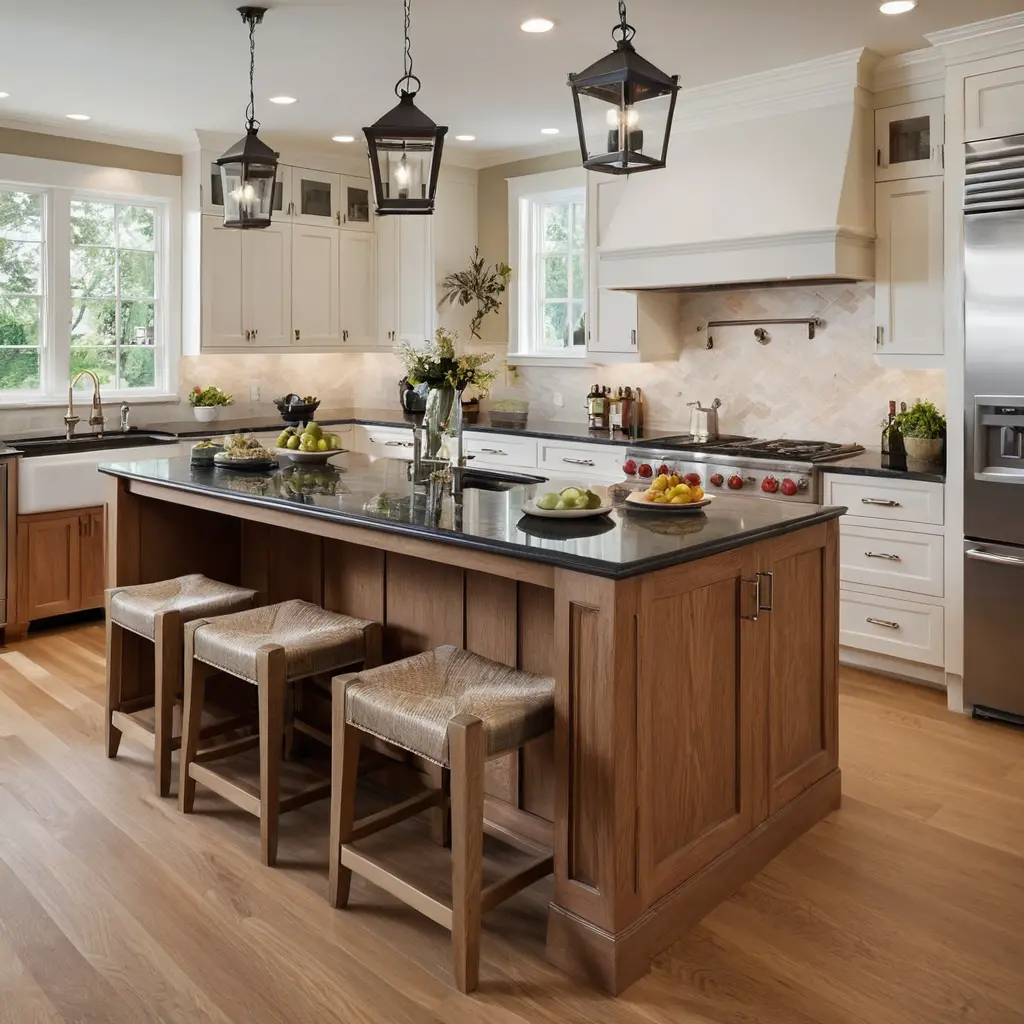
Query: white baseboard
[(955, 693), (895, 667)]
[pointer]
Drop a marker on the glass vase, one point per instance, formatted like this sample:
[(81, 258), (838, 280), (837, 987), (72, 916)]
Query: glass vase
[(437, 420)]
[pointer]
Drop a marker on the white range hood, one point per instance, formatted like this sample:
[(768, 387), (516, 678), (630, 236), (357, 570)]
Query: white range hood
[(770, 178)]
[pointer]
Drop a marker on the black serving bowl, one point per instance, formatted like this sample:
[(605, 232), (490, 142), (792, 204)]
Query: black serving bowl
[(293, 411)]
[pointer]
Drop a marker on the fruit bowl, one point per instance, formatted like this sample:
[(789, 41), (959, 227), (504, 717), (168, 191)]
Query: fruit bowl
[(310, 458), (637, 501), (294, 410)]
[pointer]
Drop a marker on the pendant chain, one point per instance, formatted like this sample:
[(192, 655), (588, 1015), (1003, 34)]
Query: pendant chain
[(250, 111), (408, 83), (627, 31)]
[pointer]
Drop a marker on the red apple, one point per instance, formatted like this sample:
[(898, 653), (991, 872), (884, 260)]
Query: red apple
[(693, 479), (736, 482), (629, 468), (663, 470), (769, 485), (645, 470), (789, 487)]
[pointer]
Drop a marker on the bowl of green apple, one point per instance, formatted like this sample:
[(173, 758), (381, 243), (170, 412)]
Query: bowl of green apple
[(568, 503), (310, 443)]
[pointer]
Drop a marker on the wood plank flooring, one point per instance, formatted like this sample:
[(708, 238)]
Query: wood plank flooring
[(905, 907)]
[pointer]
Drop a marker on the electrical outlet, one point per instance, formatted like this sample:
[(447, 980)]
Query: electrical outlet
[(254, 393), (557, 400)]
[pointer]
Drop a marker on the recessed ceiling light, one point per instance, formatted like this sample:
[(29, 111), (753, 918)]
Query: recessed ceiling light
[(4, 95), (465, 138), (550, 131), (537, 25), (78, 117), (283, 101), (897, 6), (343, 138)]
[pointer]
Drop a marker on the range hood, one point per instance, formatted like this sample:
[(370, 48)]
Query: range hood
[(773, 183)]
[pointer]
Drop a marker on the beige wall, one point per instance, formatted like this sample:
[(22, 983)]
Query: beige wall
[(16, 142), (492, 224)]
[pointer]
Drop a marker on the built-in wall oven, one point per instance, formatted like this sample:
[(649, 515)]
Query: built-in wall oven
[(994, 441)]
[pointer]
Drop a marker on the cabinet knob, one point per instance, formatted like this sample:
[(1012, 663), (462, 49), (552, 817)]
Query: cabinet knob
[(879, 336), (248, 335), (296, 334), (344, 335)]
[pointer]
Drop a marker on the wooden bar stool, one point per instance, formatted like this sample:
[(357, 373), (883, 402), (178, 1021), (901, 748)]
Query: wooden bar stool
[(268, 647), (458, 710), (158, 612)]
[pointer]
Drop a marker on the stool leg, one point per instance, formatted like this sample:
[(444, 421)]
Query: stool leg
[(115, 653), (271, 676), (345, 742), (167, 644), (196, 674), (466, 749)]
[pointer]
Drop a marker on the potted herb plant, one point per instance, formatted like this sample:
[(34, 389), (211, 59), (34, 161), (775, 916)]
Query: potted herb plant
[(924, 431), (207, 402), (447, 374), (481, 284)]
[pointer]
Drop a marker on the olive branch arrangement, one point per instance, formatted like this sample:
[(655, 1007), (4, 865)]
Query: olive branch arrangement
[(481, 284)]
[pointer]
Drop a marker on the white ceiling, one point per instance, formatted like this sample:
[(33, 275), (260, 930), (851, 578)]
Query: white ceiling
[(153, 71)]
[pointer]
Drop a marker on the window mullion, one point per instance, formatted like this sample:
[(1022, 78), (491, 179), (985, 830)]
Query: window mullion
[(58, 347)]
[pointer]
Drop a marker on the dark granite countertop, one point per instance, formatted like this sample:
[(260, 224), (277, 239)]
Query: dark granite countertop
[(378, 494), (869, 463)]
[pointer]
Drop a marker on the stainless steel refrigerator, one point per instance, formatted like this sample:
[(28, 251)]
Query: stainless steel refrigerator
[(994, 414)]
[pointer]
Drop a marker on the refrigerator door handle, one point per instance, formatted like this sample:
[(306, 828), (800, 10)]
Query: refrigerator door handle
[(990, 556)]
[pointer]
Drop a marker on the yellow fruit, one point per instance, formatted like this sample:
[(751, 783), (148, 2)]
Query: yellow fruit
[(660, 484), (662, 499), (683, 491), (696, 494), (674, 481), (680, 500)]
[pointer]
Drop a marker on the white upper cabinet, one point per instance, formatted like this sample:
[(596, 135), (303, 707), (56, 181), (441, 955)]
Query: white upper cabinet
[(223, 317), (994, 104), (358, 288), (315, 197), (267, 285), (356, 204), (909, 140), (315, 285), (405, 276), (909, 268), (455, 235)]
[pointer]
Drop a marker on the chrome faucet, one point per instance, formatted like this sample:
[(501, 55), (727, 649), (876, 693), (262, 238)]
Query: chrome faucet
[(95, 416), (125, 413)]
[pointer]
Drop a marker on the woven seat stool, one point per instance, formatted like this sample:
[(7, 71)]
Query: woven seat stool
[(269, 648), (158, 612), (458, 710)]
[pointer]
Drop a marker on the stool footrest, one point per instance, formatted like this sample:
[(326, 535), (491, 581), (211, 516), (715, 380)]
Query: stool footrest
[(500, 891), (397, 812), (140, 729), (231, 791), (323, 738), (227, 749), (375, 871)]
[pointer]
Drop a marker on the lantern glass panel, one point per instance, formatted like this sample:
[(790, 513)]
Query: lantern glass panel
[(248, 192), (625, 136), (405, 167)]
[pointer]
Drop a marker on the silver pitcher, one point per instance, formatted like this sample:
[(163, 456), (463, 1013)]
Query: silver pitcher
[(704, 422)]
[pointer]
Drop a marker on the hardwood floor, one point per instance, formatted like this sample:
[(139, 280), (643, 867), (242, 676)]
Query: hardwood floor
[(906, 906)]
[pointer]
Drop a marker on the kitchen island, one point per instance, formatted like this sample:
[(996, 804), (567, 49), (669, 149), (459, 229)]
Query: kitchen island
[(695, 660)]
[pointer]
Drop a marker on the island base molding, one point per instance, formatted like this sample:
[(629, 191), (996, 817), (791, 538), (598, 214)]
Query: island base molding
[(615, 961)]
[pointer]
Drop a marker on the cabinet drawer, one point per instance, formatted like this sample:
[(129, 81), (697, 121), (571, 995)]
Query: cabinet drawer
[(878, 557), (900, 629), (909, 501), (590, 461), (497, 450), (387, 442)]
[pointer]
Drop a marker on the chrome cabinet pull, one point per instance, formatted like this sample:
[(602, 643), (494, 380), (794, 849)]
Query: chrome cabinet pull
[(978, 555), (632, 338), (883, 622), (248, 335), (884, 502), (768, 606), (579, 462), (756, 584), (297, 334), (492, 451), (882, 554), (879, 336), (395, 444)]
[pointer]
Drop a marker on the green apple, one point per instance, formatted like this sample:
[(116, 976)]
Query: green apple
[(293, 442), (322, 445), (549, 502), (571, 493)]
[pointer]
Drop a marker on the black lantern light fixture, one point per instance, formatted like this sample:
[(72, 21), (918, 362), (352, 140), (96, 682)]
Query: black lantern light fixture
[(624, 108), (405, 148), (248, 170)]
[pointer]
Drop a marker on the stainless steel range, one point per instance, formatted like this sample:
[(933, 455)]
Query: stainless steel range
[(783, 469)]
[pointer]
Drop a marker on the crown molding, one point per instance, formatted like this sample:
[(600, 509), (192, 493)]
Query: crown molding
[(980, 39), (77, 130), (918, 67), (567, 144)]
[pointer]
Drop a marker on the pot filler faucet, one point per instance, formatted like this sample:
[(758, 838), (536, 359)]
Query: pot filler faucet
[(95, 416)]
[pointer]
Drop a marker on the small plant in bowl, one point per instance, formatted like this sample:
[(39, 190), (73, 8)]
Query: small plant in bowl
[(924, 431), (207, 402)]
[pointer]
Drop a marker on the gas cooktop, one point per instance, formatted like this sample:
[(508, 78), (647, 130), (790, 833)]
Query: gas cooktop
[(784, 449)]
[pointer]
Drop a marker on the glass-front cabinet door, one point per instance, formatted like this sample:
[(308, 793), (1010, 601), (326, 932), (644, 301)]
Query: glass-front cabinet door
[(315, 196), (909, 140), (356, 212)]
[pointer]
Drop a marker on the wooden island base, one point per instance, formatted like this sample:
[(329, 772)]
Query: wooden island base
[(696, 710)]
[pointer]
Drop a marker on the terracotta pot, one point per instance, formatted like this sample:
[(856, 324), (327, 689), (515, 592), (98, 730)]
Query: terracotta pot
[(927, 449)]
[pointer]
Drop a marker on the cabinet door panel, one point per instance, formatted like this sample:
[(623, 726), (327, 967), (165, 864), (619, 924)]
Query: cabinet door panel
[(93, 559), (356, 213), (616, 326), (696, 731), (358, 285), (387, 281), (315, 284), (415, 280), (223, 321), (49, 567), (802, 712), (909, 267), (909, 140), (994, 104), (266, 284)]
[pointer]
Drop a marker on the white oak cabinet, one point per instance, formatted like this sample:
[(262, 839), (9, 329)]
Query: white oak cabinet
[(316, 285), (246, 286), (406, 283), (909, 267), (994, 104), (910, 140)]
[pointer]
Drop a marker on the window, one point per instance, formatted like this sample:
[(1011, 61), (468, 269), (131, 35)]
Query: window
[(86, 281), (114, 292), (548, 240), (22, 263)]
